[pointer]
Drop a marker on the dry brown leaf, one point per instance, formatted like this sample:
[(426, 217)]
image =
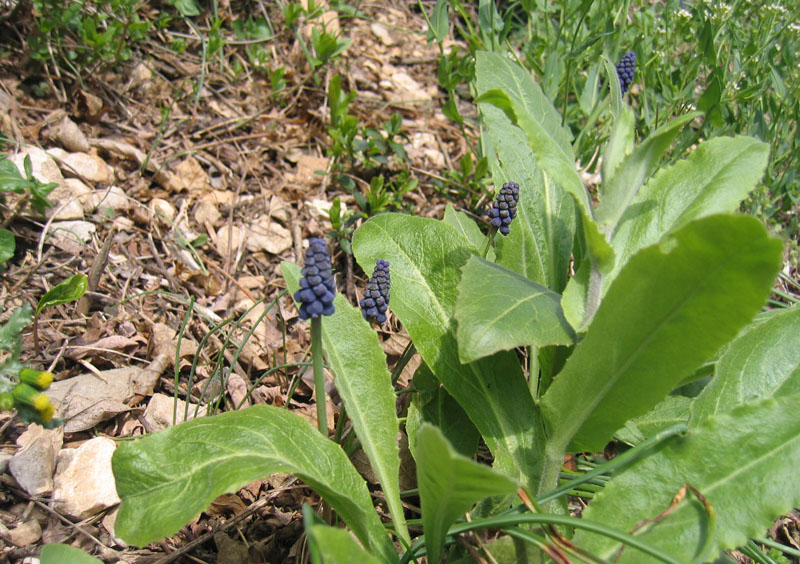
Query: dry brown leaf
[(189, 175), (237, 388), (225, 505)]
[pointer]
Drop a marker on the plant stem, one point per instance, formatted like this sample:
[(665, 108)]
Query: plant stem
[(319, 374), (489, 240)]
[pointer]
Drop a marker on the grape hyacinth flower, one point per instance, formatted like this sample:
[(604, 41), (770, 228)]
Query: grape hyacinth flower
[(315, 296), (317, 286), (625, 69), (504, 208), (376, 297)]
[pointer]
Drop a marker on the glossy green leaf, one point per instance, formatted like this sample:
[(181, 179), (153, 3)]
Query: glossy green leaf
[(620, 190), (69, 290), (519, 96), (762, 362), (713, 179), (670, 309), (10, 330), (499, 310), (7, 245), (620, 145), (540, 243), (365, 385), (614, 85), (573, 301), (65, 554), (513, 90), (336, 546), (426, 257), (434, 405), (10, 178), (465, 225), (449, 485), (744, 462), (166, 479), (671, 411)]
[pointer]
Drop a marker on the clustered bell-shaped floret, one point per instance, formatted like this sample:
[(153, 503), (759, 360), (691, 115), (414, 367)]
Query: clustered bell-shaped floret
[(625, 70), (376, 297), (504, 208), (317, 286)]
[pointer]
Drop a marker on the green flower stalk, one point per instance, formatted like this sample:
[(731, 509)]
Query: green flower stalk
[(315, 296)]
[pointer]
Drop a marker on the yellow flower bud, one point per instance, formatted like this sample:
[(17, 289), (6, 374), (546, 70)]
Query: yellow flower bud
[(39, 379), (6, 401)]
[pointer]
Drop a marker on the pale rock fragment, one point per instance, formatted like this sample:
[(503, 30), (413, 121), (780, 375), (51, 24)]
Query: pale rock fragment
[(399, 86), (70, 136), (84, 482), (380, 31), (67, 199), (140, 75), (308, 168), (88, 399), (112, 198), (33, 464), (162, 209), (43, 166), (79, 232), (24, 534), (160, 409), (87, 167)]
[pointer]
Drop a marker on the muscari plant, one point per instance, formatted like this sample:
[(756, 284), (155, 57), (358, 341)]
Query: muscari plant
[(638, 318)]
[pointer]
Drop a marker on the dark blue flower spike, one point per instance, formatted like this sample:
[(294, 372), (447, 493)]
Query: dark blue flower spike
[(504, 208), (317, 286), (625, 70), (376, 297)]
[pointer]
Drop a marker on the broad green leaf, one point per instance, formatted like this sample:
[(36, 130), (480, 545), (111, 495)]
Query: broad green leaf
[(439, 24), (671, 411), (65, 554), (614, 85), (365, 385), (512, 90), (187, 8), (620, 190), (573, 301), (713, 179), (7, 245), (763, 362), (434, 405), (550, 156), (166, 479), (426, 257), (10, 178), (10, 331), (449, 485), (498, 310), (620, 145), (672, 306), (465, 225), (336, 546), (69, 290), (745, 464), (540, 243)]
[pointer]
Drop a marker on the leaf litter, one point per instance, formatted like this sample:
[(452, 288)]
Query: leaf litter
[(184, 219)]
